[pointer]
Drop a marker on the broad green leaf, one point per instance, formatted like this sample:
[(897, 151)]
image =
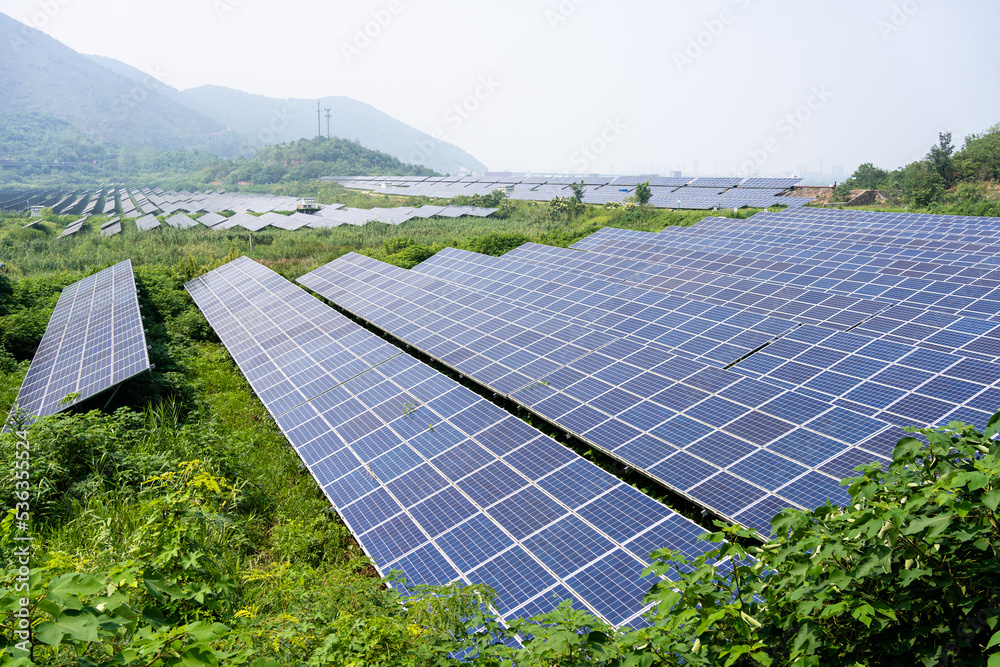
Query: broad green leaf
[(992, 499), (194, 657), (69, 588), (79, 625), (157, 587), (203, 631), (906, 448), (934, 525)]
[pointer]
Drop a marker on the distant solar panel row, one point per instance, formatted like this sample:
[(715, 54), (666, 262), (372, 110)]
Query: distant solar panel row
[(667, 192), (433, 480), (977, 298), (93, 341), (965, 336)]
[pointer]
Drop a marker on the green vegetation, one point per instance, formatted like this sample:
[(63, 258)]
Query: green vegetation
[(39, 138), (946, 181), (177, 527)]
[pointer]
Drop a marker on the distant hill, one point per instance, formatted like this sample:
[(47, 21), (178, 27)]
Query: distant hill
[(110, 101), (263, 121), (267, 120), (37, 137), (308, 159), (40, 75)]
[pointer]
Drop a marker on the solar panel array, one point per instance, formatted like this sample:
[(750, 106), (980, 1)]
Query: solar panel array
[(667, 192), (654, 373), (782, 298), (687, 423), (94, 341), (431, 479)]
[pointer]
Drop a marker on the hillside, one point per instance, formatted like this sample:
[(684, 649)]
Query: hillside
[(268, 120), (35, 137), (41, 75), (263, 121)]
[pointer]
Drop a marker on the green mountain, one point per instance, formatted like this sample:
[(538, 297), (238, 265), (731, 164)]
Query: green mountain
[(266, 120), (114, 103), (41, 75), (37, 137)]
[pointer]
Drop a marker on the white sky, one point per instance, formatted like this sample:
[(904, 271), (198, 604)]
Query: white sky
[(568, 74)]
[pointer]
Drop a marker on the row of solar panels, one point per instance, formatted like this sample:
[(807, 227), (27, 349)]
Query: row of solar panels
[(653, 180), (747, 376), (94, 341), (432, 479), (750, 402), (330, 216), (701, 193)]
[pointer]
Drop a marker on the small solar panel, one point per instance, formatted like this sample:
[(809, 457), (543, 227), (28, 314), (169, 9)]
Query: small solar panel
[(94, 341), (181, 221), (146, 223)]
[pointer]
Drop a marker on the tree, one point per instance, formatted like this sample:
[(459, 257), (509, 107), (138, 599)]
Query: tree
[(921, 183), (979, 159), (578, 192), (867, 177), (642, 194), (939, 158)]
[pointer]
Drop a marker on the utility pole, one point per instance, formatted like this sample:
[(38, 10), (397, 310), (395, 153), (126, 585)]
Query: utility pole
[(328, 111), (319, 121)]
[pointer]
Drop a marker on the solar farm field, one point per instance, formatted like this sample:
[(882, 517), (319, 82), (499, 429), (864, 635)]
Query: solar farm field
[(507, 434)]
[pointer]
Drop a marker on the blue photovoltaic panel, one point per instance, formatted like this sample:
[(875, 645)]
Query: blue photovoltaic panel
[(736, 297), (94, 341), (433, 480), (967, 336), (962, 289), (681, 421)]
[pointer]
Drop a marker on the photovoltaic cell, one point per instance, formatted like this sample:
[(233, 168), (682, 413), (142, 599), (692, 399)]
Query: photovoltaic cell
[(433, 480), (94, 341), (634, 399)]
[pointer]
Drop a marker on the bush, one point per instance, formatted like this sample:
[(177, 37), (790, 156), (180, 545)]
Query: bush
[(496, 244)]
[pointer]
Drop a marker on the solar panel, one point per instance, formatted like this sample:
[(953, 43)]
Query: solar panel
[(181, 221), (211, 219), (93, 342), (738, 296), (146, 223), (717, 336), (977, 298), (684, 423), (433, 480)]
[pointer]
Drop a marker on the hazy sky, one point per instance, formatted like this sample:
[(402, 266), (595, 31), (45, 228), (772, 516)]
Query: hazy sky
[(630, 86)]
